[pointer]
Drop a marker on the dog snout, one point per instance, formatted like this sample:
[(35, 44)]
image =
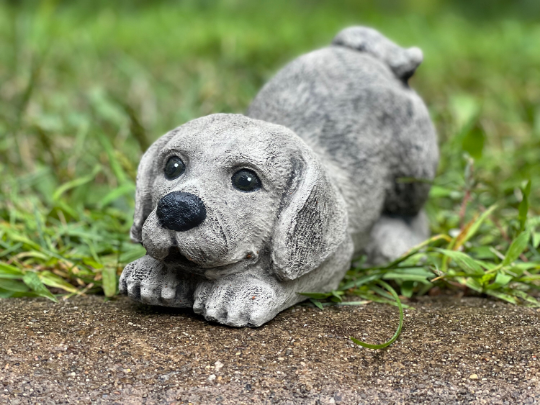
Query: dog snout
[(180, 211)]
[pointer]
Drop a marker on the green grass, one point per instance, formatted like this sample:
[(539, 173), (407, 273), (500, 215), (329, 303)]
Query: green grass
[(84, 89)]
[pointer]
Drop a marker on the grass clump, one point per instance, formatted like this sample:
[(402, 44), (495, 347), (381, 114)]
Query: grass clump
[(85, 88)]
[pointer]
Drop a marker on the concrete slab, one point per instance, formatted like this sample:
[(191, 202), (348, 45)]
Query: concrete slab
[(86, 350)]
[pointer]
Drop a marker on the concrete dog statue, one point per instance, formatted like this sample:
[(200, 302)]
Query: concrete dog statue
[(240, 213)]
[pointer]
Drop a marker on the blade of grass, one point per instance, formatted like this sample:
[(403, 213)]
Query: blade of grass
[(75, 183), (517, 247), (10, 272), (467, 263), (400, 326), (317, 303), (32, 280), (523, 208), (109, 281)]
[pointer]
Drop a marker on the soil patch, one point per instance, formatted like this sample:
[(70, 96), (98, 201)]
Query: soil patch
[(86, 350)]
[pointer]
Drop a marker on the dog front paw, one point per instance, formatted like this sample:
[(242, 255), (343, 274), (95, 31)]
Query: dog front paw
[(149, 281), (239, 300)]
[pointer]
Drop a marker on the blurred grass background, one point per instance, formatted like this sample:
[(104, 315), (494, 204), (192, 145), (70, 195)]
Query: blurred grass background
[(86, 86)]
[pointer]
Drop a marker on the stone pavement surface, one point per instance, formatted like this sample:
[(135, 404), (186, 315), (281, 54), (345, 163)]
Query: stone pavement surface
[(86, 350)]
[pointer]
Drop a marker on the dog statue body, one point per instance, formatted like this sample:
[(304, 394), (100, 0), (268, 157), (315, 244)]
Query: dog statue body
[(240, 213)]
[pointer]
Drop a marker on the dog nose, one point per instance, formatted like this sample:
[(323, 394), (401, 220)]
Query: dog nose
[(180, 211)]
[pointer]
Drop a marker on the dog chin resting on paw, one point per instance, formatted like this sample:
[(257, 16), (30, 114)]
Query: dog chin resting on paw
[(240, 213)]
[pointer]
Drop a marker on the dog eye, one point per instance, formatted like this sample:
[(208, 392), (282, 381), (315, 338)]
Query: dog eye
[(174, 168), (246, 180)]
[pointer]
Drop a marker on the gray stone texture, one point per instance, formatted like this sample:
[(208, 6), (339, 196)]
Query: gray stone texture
[(329, 137)]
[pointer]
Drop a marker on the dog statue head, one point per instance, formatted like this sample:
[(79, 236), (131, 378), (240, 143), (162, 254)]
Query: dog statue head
[(223, 193)]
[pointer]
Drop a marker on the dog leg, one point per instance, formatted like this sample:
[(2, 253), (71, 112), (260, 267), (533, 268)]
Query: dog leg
[(391, 236), (149, 281), (254, 298), (240, 299)]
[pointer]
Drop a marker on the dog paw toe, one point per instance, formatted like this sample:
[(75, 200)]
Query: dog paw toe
[(168, 294), (260, 317), (134, 290), (215, 314), (201, 296), (150, 294), (122, 285)]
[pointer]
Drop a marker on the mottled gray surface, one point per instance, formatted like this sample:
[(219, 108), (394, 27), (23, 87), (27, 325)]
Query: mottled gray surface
[(451, 351), (329, 137)]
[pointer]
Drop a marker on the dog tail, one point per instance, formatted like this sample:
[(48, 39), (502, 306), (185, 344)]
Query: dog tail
[(403, 62)]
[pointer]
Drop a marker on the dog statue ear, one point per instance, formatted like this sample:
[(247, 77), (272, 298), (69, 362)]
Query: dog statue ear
[(312, 223), (146, 173)]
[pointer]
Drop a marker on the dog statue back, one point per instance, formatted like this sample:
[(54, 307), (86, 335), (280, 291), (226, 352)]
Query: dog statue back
[(351, 103)]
